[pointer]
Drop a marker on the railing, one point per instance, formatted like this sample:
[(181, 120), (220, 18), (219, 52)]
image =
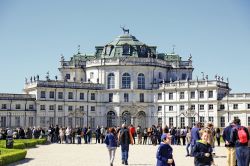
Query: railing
[(62, 84), (7, 96), (193, 83), (239, 95)]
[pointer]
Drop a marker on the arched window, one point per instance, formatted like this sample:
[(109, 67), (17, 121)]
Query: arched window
[(126, 117), (111, 121), (126, 81), (111, 81), (141, 81)]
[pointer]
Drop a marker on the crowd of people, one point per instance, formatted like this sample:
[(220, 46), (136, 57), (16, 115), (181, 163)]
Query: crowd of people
[(198, 140)]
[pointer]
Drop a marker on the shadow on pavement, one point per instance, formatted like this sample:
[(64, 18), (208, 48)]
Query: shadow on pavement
[(24, 161)]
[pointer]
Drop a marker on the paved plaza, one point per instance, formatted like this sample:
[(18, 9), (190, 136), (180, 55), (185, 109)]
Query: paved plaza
[(97, 155)]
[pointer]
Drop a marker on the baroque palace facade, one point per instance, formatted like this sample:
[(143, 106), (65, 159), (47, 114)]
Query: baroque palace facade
[(124, 81)]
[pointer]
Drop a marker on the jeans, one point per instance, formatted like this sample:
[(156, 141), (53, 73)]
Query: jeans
[(242, 156), (187, 148), (111, 154), (124, 150)]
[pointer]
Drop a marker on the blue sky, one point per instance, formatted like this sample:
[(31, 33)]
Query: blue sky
[(33, 34)]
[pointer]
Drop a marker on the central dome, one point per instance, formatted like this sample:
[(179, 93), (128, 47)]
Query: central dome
[(126, 45)]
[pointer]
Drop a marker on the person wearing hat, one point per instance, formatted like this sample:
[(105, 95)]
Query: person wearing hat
[(231, 155), (164, 154)]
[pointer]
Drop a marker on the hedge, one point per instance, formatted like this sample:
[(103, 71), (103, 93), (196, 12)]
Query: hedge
[(24, 143), (8, 156)]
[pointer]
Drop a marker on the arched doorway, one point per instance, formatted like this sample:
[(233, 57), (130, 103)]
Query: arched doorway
[(111, 120), (141, 119), (126, 118)]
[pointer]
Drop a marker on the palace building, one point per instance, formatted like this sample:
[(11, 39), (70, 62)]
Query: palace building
[(124, 81)]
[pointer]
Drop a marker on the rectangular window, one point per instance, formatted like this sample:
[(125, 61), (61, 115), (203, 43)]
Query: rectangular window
[(31, 121), (67, 76), (159, 96), (60, 95), (141, 97), (51, 120), (92, 122), (91, 75), (192, 107), (18, 106), (159, 108), (202, 120), (70, 95), (59, 121), (210, 94), (81, 108), (126, 97), (4, 106), (171, 108), (31, 107), (201, 107), (110, 97), (70, 122), (182, 122), (201, 94), (42, 107), (222, 107), (183, 76), (248, 121), (92, 108), (51, 95), (182, 107), (81, 96), (235, 106), (192, 95), (51, 107), (182, 96), (222, 121), (159, 121), (171, 122), (17, 121), (192, 121), (92, 96), (70, 108), (42, 121), (248, 107), (43, 94), (211, 119), (160, 75), (170, 96), (60, 107), (3, 121), (210, 107)]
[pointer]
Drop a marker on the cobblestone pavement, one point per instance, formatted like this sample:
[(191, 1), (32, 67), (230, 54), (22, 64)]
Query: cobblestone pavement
[(97, 155)]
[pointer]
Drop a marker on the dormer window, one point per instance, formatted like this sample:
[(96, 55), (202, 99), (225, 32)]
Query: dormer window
[(126, 49), (143, 50)]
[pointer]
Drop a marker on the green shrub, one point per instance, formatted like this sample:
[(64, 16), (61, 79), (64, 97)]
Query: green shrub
[(8, 156), (41, 141), (29, 143)]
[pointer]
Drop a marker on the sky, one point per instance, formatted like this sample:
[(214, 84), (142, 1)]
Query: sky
[(34, 34)]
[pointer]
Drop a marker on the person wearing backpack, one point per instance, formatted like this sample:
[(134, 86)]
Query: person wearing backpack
[(240, 136), (125, 138)]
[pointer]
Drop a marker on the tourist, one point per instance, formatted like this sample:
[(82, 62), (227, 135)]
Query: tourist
[(217, 135), (97, 134), (230, 146), (61, 134), (139, 134), (125, 138), (102, 134), (240, 137), (188, 141), (132, 131), (202, 150), (111, 142), (164, 154), (89, 135), (78, 135), (183, 135), (145, 136), (195, 135)]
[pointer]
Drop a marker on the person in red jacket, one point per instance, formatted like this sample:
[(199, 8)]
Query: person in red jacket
[(132, 131)]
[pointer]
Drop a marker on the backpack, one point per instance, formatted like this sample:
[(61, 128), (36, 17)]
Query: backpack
[(242, 135)]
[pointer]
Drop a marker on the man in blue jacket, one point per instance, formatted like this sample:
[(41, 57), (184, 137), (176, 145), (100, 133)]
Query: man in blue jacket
[(231, 158), (195, 135)]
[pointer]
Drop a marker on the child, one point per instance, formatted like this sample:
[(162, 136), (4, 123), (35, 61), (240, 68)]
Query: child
[(202, 150), (165, 152)]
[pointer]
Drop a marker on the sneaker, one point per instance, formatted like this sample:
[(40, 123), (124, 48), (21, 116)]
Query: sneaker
[(126, 163), (187, 155), (123, 162)]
